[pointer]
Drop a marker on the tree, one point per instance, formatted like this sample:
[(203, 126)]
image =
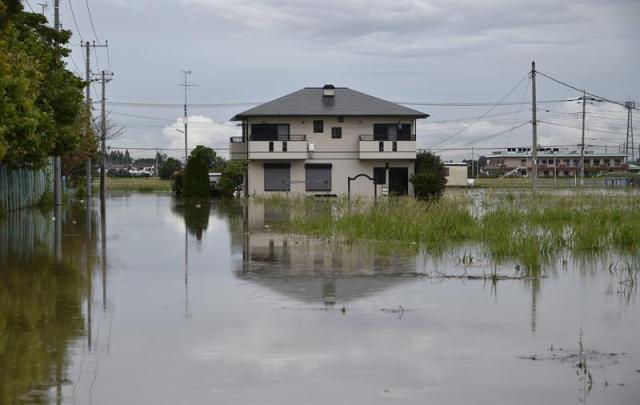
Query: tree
[(429, 178), (196, 176), (232, 177), (213, 161), (40, 100), (169, 167)]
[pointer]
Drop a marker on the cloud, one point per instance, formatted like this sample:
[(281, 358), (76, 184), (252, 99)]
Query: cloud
[(201, 131), (410, 27)]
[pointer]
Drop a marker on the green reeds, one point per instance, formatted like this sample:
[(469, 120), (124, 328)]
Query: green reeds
[(530, 229)]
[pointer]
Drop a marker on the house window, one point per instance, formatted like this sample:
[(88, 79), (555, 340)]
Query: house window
[(284, 146), (318, 177), (379, 175), (318, 126), (380, 146), (607, 162), (392, 132), (566, 162), (596, 162), (446, 172), (575, 162), (277, 177), (269, 132), (617, 162), (336, 132)]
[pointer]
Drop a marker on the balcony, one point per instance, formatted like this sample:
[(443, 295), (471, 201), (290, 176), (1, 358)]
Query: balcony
[(385, 147), (285, 147)]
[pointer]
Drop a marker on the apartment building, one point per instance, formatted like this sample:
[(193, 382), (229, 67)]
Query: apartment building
[(555, 162), (313, 140)]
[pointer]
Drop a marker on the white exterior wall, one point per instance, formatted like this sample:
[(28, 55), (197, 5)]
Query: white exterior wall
[(457, 175), (343, 154)]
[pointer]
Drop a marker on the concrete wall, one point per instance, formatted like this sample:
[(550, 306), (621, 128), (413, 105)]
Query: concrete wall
[(457, 175)]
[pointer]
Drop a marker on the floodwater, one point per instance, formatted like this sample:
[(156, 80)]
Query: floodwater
[(155, 302)]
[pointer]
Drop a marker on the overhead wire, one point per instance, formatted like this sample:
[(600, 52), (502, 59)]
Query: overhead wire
[(483, 115)]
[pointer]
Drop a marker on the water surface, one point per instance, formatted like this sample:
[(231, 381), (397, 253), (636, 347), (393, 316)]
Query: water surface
[(156, 301)]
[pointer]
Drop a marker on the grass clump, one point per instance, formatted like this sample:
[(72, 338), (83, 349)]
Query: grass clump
[(530, 229)]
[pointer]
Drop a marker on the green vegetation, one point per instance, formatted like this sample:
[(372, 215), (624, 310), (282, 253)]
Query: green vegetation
[(532, 230), (429, 179), (142, 184), (41, 108), (196, 175), (168, 168), (232, 177)]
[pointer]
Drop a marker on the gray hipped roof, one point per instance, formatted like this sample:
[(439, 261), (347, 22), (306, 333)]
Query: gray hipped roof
[(346, 102)]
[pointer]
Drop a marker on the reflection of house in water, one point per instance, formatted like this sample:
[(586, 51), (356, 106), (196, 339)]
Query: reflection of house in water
[(316, 270)]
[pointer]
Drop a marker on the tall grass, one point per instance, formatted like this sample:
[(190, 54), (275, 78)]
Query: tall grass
[(532, 230)]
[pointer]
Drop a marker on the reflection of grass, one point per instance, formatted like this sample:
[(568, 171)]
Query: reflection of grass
[(141, 184), (530, 229)]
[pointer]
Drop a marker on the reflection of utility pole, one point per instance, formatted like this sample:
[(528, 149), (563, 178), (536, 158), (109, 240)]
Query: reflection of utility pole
[(186, 270), (103, 252), (186, 87)]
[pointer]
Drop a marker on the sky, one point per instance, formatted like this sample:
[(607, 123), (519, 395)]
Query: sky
[(424, 52)]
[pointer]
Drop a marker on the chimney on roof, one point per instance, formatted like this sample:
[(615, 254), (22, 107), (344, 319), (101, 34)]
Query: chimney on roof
[(328, 90)]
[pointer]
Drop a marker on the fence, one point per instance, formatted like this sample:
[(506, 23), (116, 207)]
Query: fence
[(21, 188)]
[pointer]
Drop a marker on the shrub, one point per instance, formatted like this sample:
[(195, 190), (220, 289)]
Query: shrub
[(232, 177), (196, 177), (429, 178), (168, 168)]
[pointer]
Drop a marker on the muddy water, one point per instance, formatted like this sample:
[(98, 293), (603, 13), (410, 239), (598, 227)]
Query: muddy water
[(163, 303)]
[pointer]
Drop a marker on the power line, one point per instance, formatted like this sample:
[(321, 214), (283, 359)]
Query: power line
[(73, 15), (586, 92), (498, 133), (91, 20), (29, 4), (483, 115)]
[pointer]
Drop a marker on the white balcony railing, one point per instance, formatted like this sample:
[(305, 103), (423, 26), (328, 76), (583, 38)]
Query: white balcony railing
[(386, 148)]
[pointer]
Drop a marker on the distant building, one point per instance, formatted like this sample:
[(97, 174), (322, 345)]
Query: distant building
[(555, 162), (312, 140), (456, 173)]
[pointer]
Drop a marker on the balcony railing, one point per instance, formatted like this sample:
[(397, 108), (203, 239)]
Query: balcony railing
[(285, 138), (411, 137)]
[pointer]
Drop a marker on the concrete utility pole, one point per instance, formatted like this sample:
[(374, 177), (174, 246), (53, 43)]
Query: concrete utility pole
[(104, 78), (87, 45), (584, 113), (630, 105), (534, 126), (57, 162), (186, 87)]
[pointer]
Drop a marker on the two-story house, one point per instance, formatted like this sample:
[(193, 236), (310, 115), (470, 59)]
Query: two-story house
[(312, 140)]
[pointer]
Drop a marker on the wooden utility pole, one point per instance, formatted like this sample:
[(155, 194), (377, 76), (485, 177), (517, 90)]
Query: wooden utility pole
[(57, 161), (534, 134)]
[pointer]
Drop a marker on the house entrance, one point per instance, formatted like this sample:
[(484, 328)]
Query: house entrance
[(399, 180)]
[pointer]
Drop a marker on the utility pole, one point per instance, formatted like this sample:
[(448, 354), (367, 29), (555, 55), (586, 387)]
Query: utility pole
[(584, 113), (630, 105), (534, 134), (87, 45), (104, 77), (186, 87), (57, 161)]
